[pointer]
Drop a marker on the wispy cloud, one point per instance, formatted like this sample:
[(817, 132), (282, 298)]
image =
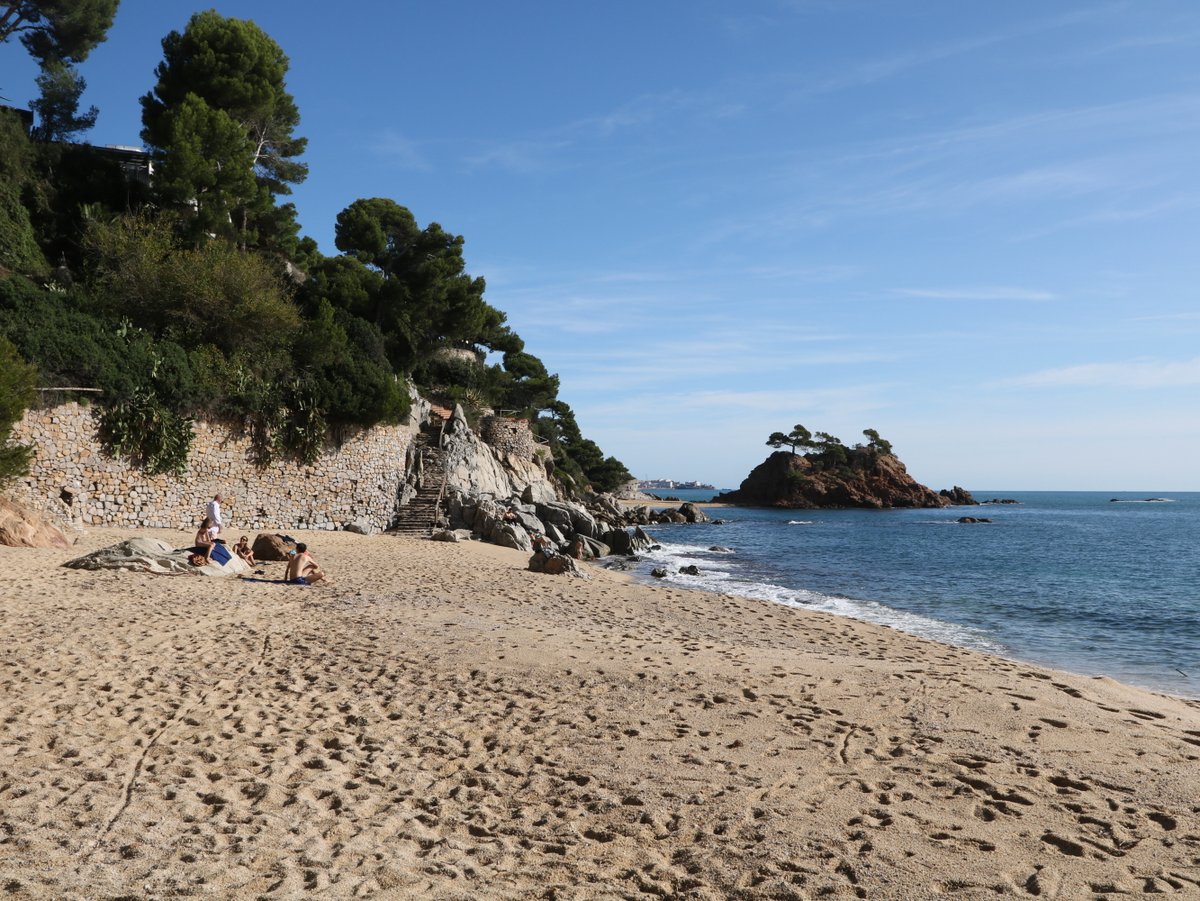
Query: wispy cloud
[(524, 157), (1139, 373), (979, 294), (818, 273), (729, 405), (539, 149), (1115, 216), (399, 151), (871, 71), (1188, 316)]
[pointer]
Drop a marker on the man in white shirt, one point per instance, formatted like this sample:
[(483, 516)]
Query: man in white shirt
[(213, 511)]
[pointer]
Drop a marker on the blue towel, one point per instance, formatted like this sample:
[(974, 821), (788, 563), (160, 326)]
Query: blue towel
[(221, 554)]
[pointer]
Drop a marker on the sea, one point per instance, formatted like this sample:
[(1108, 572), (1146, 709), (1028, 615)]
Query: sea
[(1096, 583)]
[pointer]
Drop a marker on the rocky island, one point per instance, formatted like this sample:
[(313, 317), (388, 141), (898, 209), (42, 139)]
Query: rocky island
[(831, 474)]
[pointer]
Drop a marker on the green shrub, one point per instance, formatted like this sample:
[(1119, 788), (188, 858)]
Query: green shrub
[(19, 249), (18, 383), (214, 294), (148, 432), (69, 346)]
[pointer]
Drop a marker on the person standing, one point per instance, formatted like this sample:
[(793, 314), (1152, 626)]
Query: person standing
[(213, 511)]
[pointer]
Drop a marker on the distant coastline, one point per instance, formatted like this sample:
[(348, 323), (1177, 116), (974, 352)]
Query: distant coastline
[(672, 484)]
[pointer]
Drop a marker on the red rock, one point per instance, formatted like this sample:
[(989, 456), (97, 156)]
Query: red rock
[(22, 527)]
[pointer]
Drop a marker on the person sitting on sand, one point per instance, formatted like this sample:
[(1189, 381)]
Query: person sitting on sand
[(302, 569), (242, 549)]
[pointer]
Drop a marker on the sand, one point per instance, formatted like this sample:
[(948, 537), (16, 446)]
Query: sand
[(440, 723)]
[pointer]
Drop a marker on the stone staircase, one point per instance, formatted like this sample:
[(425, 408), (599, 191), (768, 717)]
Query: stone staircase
[(418, 516)]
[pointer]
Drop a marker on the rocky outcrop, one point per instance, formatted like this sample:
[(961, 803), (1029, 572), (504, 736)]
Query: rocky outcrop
[(958, 497), (556, 565), (22, 527), (596, 527), (630, 492), (154, 556), (791, 481), (475, 468)]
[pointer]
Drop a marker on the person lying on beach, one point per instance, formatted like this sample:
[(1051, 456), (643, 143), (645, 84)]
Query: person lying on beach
[(242, 549), (302, 569)]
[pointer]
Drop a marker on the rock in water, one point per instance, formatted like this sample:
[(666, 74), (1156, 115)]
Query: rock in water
[(958, 497), (791, 481)]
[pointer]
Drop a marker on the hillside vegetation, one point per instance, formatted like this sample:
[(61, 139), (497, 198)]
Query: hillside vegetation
[(193, 294)]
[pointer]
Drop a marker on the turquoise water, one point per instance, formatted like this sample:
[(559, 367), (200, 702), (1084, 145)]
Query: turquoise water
[(1071, 580)]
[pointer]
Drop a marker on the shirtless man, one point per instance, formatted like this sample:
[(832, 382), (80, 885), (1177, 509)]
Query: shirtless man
[(302, 568)]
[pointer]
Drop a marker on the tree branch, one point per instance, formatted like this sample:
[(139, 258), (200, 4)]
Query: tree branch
[(10, 22)]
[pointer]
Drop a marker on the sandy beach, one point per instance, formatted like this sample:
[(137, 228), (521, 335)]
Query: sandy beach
[(440, 723)]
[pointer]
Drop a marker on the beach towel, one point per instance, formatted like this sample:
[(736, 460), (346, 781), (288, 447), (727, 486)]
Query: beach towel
[(220, 554)]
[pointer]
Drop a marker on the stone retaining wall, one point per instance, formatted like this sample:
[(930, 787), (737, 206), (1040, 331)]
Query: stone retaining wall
[(72, 479), (508, 436)]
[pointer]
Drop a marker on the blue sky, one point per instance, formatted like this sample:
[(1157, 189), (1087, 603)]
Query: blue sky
[(971, 226)]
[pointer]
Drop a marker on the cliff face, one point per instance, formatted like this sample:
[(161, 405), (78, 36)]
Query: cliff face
[(789, 480), (475, 468)]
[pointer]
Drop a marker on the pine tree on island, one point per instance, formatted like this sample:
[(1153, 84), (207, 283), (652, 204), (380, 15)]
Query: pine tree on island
[(821, 471)]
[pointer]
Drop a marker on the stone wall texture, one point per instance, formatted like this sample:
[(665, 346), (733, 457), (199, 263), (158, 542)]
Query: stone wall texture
[(71, 478), (508, 436)]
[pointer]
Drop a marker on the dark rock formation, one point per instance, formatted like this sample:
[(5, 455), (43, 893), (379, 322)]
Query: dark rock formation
[(958, 497), (973, 519), (791, 481)]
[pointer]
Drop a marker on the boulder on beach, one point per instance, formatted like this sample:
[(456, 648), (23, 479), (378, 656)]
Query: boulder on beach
[(451, 535), (270, 547), (151, 555), (22, 527), (556, 565)]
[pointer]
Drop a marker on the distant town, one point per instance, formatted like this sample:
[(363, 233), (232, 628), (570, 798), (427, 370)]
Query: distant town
[(660, 484)]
